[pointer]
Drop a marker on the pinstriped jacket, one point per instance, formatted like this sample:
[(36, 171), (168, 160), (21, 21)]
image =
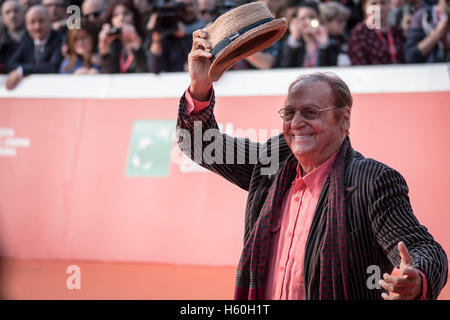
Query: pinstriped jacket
[(378, 210)]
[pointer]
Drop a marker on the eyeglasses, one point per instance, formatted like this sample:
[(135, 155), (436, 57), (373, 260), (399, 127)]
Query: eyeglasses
[(308, 113), (95, 14), (204, 12)]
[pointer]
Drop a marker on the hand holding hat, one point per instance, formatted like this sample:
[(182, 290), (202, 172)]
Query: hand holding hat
[(199, 63), (235, 35)]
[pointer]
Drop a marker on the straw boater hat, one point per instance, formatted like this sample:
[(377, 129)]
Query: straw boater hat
[(240, 33)]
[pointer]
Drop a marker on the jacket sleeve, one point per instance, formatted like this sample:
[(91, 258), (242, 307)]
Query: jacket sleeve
[(412, 53), (48, 67), (393, 220), (110, 61), (155, 63), (200, 139), (328, 54), (16, 58), (291, 57), (140, 59)]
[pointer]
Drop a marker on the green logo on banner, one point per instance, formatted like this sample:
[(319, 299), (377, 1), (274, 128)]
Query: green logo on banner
[(150, 148)]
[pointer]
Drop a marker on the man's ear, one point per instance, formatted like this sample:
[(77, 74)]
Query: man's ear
[(345, 118)]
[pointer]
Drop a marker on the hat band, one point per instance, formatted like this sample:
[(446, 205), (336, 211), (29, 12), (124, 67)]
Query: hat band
[(230, 38)]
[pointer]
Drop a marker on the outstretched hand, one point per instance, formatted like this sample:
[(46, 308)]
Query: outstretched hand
[(408, 285)]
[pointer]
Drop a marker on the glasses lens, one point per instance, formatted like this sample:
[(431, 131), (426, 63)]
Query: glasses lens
[(309, 113), (287, 114)]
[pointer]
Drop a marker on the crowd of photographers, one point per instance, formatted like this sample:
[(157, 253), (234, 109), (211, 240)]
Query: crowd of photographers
[(126, 36)]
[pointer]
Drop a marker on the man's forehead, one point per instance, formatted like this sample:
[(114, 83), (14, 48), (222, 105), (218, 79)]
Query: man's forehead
[(308, 84), (10, 4), (37, 13), (306, 91), (92, 4)]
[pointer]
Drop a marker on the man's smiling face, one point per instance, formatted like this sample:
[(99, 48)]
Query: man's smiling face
[(312, 141)]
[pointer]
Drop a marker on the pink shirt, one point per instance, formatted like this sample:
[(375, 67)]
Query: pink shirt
[(285, 278), (289, 234)]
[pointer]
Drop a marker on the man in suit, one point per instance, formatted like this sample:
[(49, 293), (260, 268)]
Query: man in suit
[(326, 215), (12, 16), (38, 52)]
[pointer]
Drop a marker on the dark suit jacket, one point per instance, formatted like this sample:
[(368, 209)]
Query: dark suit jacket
[(24, 56), (379, 214), (295, 57), (111, 61)]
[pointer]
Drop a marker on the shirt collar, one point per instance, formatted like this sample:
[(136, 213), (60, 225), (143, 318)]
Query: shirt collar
[(315, 179), (41, 43)]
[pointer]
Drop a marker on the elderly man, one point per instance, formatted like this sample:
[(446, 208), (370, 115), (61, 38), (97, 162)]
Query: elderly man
[(314, 226), (40, 52), (94, 11)]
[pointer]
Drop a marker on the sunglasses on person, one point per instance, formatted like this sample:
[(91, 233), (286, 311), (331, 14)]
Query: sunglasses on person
[(204, 12), (308, 113), (94, 14)]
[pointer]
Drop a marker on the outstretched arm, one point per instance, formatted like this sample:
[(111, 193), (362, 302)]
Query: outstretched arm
[(393, 221), (198, 134)]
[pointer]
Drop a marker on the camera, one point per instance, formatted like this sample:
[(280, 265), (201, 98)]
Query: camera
[(115, 31), (314, 23), (168, 15)]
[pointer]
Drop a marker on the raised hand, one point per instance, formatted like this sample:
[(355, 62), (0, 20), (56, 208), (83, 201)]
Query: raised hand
[(198, 64), (321, 34), (408, 285), (130, 37), (104, 38)]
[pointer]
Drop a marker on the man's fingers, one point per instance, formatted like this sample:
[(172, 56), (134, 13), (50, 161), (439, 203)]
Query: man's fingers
[(200, 33), (199, 53), (405, 291), (397, 281), (404, 254), (385, 296), (402, 289), (200, 43)]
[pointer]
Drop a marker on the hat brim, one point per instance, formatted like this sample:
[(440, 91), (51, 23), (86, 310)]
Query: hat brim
[(245, 45)]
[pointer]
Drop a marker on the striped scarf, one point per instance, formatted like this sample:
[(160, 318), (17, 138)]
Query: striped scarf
[(251, 270)]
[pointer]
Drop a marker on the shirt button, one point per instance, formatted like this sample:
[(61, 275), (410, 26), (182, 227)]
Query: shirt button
[(281, 269), (296, 199), (289, 234)]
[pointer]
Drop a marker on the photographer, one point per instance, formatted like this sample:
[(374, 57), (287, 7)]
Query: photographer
[(373, 41), (121, 40), (429, 35), (171, 28), (308, 44)]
